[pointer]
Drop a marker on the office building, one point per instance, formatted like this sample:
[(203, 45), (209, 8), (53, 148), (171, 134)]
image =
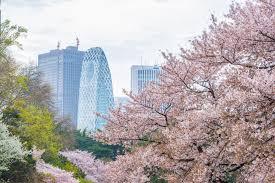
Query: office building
[(61, 69), (142, 75), (96, 91)]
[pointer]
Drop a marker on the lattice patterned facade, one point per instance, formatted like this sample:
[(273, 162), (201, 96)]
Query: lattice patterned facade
[(96, 92)]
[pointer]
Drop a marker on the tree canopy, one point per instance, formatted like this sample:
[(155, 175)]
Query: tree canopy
[(211, 117)]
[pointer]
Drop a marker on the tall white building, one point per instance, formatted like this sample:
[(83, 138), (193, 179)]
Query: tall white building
[(142, 75), (95, 92)]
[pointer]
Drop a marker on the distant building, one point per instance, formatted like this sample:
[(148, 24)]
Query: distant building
[(142, 75), (61, 70), (121, 101), (96, 91)]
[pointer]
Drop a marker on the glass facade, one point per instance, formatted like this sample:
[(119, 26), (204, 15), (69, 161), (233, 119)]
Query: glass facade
[(142, 75), (96, 91), (61, 69)]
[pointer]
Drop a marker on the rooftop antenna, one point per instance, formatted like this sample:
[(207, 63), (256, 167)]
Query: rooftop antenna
[(58, 43), (77, 42)]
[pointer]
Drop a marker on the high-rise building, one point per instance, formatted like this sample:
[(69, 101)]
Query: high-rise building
[(142, 75), (61, 69), (96, 91)]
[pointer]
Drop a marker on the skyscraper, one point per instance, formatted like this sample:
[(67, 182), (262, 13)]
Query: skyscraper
[(61, 70), (142, 75), (96, 91)]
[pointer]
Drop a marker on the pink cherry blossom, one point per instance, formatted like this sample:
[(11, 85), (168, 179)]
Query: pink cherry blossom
[(211, 117), (54, 174), (59, 176), (93, 168)]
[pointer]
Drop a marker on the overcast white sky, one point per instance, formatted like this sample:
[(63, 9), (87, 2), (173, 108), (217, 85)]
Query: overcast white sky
[(128, 30)]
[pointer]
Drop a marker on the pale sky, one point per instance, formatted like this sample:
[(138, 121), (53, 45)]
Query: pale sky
[(130, 32)]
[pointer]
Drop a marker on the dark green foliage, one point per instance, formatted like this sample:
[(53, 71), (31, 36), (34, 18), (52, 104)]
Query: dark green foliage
[(21, 172), (11, 118), (65, 131), (81, 180), (157, 179), (230, 178), (101, 151), (155, 174), (62, 163)]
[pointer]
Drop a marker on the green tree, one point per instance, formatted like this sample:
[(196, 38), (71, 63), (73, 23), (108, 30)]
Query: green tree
[(10, 81), (21, 171), (35, 91), (9, 36), (27, 111), (101, 151), (35, 126), (65, 130)]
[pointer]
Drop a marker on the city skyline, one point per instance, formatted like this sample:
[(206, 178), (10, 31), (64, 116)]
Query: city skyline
[(81, 84), (130, 33)]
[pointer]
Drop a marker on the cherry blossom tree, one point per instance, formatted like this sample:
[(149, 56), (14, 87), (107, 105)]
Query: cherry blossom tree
[(58, 175), (98, 171), (94, 169), (211, 117), (53, 174)]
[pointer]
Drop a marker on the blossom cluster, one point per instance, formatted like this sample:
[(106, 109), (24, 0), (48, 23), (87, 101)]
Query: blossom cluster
[(58, 175), (211, 116), (52, 174), (94, 169), (11, 149)]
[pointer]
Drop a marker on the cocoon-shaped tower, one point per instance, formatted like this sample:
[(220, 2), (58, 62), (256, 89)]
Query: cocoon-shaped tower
[(95, 92)]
